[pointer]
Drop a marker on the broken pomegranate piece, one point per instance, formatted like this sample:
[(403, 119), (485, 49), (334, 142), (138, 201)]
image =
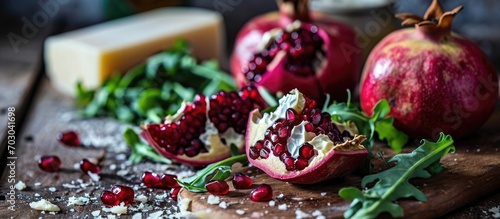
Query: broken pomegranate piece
[(298, 143), (201, 132)]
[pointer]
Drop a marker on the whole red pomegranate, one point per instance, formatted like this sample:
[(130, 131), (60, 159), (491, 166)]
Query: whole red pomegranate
[(435, 80), (201, 133), (298, 143), (297, 49)]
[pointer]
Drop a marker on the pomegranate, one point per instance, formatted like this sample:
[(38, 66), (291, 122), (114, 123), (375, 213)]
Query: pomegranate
[(49, 163), (296, 48), (174, 193), (68, 138), (109, 198), (168, 181), (153, 180), (86, 166), (435, 80), (201, 132), (263, 193), (242, 181), (298, 143)]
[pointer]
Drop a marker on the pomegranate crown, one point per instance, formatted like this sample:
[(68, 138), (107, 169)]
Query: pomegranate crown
[(435, 17), (296, 9)]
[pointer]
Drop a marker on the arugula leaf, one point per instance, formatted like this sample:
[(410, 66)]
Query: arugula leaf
[(216, 171), (393, 183), (379, 122), (141, 150), (153, 89)]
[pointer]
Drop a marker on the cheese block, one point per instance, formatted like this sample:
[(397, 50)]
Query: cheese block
[(92, 54)]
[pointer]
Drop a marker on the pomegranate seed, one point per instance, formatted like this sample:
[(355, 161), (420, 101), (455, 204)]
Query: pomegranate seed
[(124, 193), (264, 153), (68, 138), (259, 145), (284, 132), (288, 160), (109, 198), (151, 180), (278, 149), (86, 166), (174, 193), (301, 163), (217, 187), (242, 181), (254, 153), (306, 151), (49, 163), (263, 193), (291, 116), (168, 181), (309, 127)]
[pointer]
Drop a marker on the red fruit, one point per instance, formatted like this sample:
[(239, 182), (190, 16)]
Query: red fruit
[(217, 187), (86, 166), (315, 148), (151, 180), (168, 181), (263, 193), (435, 80), (312, 51), (68, 138), (124, 193), (174, 193), (242, 181), (201, 132), (109, 198), (49, 163)]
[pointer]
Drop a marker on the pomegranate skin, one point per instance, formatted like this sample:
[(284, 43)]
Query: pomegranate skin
[(434, 83), (341, 70)]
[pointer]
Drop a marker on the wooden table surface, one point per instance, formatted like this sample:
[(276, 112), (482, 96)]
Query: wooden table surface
[(41, 112)]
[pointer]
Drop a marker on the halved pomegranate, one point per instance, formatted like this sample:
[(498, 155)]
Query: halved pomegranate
[(296, 48), (298, 143), (200, 133)]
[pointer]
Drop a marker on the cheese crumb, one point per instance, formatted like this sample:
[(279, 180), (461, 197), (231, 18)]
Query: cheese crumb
[(272, 203), (52, 189), (93, 176), (44, 205), (137, 216), (282, 207), (141, 198), (77, 200), (300, 214), (280, 196), (36, 194), (223, 205), (96, 213), (323, 193), (20, 185), (155, 215), (213, 200), (121, 209), (495, 211), (318, 214), (37, 184), (240, 212)]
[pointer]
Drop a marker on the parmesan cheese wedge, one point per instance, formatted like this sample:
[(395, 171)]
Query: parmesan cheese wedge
[(92, 54)]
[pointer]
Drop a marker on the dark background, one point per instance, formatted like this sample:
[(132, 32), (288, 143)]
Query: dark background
[(480, 20)]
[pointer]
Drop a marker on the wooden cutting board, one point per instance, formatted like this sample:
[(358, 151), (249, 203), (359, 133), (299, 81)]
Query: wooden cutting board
[(473, 172)]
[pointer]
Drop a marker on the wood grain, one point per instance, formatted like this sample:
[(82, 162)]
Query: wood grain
[(472, 174)]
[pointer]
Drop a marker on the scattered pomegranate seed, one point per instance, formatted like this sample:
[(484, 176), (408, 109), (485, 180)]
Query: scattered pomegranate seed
[(263, 193), (49, 163), (109, 198), (68, 138), (174, 193), (151, 180), (86, 166), (124, 193), (242, 181), (168, 181), (217, 187)]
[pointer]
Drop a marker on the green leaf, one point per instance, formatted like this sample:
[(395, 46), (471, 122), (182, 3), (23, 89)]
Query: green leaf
[(393, 184), (149, 99), (234, 150), (216, 171), (141, 150)]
